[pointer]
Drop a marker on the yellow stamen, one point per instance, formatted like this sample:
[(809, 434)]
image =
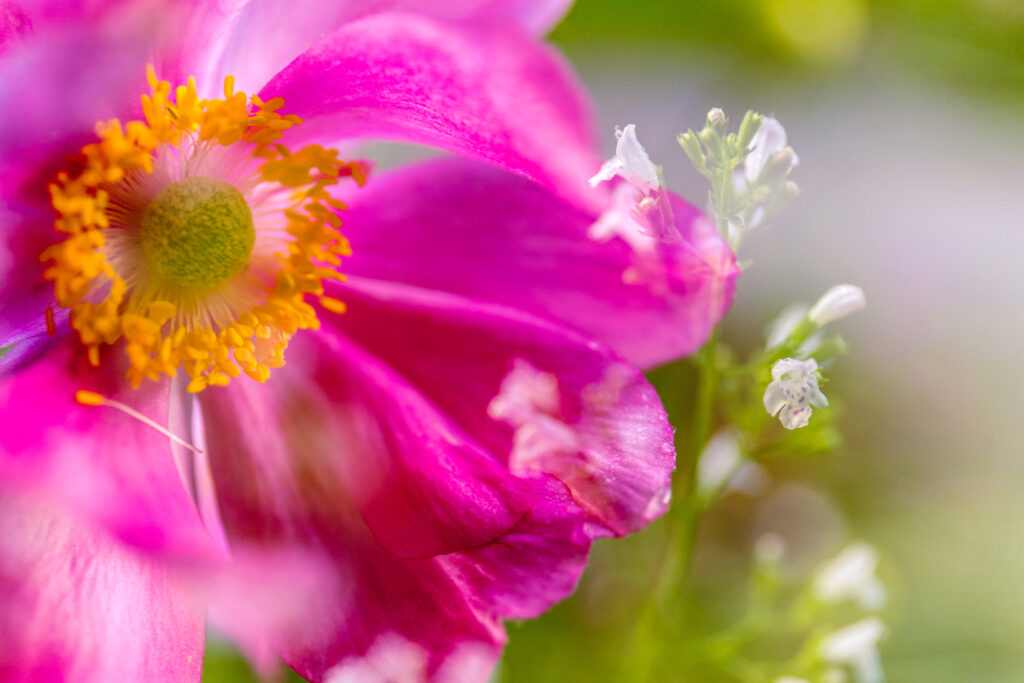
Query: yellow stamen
[(91, 398), (172, 311)]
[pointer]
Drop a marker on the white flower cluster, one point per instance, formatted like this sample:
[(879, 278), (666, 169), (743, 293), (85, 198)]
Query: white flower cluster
[(794, 389)]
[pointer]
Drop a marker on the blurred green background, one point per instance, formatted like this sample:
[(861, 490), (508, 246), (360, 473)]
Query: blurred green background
[(907, 117)]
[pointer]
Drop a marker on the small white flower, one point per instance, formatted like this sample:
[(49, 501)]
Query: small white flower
[(718, 462), (837, 303), (793, 391), (784, 325), (630, 161), (769, 140), (851, 575), (856, 646)]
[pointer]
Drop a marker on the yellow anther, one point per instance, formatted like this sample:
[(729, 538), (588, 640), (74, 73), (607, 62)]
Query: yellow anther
[(333, 305), (89, 398)]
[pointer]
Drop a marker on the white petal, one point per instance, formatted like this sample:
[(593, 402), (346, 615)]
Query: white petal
[(774, 399), (637, 167), (769, 138), (838, 302), (795, 417)]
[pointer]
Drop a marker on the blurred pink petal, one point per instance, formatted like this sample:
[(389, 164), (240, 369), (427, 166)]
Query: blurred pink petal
[(112, 469), (79, 606)]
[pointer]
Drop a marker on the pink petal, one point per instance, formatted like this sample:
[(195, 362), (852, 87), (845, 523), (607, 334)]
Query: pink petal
[(366, 438), (63, 80), (79, 606), (457, 352), (484, 91), (465, 228), (268, 34), (536, 564), (103, 464)]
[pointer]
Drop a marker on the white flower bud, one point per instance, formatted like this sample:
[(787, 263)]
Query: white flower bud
[(837, 303), (718, 462), (769, 139), (716, 118), (856, 646), (851, 575)]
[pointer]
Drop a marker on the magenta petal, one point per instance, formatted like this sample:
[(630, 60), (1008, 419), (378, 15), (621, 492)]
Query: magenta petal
[(534, 565), (79, 606), (607, 438), (366, 438), (484, 91), (470, 229), (103, 464)]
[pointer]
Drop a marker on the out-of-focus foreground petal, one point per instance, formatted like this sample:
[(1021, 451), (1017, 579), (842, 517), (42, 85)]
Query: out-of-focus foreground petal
[(281, 458), (484, 91), (462, 227), (105, 465), (80, 606)]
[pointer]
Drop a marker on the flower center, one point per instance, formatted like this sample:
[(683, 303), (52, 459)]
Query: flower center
[(196, 238), (198, 232)]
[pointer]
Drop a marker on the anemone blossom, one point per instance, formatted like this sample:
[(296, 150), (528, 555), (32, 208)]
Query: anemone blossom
[(357, 447)]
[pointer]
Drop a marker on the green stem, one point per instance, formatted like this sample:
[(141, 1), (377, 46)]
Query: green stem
[(683, 525)]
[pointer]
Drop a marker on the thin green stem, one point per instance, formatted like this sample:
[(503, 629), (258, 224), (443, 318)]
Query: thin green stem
[(683, 525)]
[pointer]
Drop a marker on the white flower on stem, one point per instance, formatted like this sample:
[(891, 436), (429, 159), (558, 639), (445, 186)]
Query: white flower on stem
[(793, 391), (851, 576), (837, 303), (856, 646), (769, 141), (630, 162), (640, 212)]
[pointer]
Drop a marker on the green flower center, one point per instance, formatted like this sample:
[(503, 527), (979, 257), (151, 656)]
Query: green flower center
[(198, 232)]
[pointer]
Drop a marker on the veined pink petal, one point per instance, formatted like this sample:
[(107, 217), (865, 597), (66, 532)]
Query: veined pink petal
[(469, 229), (109, 467), (603, 433), (80, 606), (360, 437), (534, 565), (489, 92)]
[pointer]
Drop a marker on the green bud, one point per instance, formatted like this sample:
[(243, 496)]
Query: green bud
[(691, 145), (751, 124), (717, 120)]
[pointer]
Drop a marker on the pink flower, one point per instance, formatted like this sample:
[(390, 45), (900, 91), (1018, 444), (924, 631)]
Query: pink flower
[(360, 498)]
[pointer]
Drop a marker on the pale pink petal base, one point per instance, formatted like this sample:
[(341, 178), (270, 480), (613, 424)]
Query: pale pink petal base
[(113, 469)]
